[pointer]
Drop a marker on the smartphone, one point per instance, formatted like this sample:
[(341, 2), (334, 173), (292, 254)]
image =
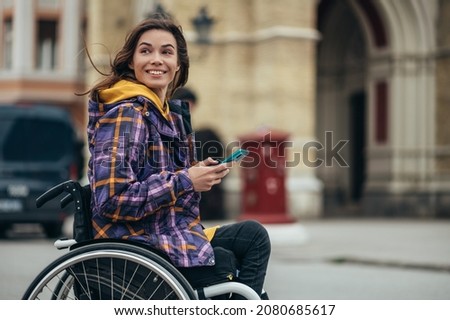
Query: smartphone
[(236, 156)]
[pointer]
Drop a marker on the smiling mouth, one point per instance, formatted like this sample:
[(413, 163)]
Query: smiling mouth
[(156, 72)]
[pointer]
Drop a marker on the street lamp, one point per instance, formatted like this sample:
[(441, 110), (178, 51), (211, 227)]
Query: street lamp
[(203, 24), (159, 12)]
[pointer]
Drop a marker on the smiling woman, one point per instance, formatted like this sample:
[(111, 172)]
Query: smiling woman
[(155, 61), (146, 182)]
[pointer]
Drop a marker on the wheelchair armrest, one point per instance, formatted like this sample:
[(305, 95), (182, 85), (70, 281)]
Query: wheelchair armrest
[(81, 197), (84, 192), (66, 200), (67, 186)]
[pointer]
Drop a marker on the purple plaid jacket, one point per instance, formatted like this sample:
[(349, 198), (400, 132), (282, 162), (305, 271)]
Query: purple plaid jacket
[(138, 175)]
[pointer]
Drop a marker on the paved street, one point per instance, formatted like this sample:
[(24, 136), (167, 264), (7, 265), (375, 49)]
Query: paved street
[(323, 260), (361, 259)]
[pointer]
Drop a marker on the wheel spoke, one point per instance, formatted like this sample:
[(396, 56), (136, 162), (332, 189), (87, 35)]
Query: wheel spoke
[(109, 271)]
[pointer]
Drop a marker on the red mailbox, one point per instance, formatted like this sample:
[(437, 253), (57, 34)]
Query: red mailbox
[(264, 174)]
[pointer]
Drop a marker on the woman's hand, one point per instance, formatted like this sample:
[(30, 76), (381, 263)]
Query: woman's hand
[(207, 173)]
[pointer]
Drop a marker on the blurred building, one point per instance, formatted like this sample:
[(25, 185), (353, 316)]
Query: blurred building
[(382, 78), (41, 60), (41, 57), (360, 85)]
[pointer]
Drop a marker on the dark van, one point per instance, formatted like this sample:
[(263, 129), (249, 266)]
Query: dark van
[(38, 149)]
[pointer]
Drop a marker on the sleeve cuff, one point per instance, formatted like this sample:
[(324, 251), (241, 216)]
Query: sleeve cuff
[(186, 184)]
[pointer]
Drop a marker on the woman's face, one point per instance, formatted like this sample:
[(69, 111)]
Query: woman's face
[(155, 60)]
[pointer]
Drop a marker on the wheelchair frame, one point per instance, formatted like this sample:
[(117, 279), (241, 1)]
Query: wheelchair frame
[(113, 269)]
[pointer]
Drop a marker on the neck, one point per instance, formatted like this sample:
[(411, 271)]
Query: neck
[(161, 93)]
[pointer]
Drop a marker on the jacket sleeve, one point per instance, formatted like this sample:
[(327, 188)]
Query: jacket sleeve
[(119, 150)]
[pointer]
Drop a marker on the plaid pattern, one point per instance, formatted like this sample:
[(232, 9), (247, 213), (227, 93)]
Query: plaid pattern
[(138, 175)]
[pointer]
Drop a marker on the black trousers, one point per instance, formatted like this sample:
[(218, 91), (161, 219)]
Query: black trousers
[(250, 243)]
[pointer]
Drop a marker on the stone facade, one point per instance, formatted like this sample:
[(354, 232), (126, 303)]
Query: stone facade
[(360, 86), (257, 73), (42, 65)]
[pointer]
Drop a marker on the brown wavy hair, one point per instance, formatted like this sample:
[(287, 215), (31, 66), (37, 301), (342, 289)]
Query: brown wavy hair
[(120, 69)]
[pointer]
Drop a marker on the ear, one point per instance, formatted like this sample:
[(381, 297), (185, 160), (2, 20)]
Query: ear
[(130, 65)]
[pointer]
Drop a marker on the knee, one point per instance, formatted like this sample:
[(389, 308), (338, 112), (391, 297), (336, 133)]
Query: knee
[(259, 232)]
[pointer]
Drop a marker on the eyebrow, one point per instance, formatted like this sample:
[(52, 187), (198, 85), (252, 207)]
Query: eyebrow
[(150, 45)]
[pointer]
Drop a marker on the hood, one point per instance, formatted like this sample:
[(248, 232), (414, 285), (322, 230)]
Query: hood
[(124, 89)]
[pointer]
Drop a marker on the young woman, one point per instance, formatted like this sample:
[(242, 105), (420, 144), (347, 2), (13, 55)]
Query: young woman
[(145, 180)]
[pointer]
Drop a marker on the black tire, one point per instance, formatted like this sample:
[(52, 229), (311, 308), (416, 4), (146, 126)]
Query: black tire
[(110, 271)]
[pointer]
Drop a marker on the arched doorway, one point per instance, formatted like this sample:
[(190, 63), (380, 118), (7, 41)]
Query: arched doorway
[(341, 105), (384, 53)]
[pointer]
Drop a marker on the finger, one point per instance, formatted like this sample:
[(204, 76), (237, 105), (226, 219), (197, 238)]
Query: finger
[(210, 161), (225, 172), (223, 166)]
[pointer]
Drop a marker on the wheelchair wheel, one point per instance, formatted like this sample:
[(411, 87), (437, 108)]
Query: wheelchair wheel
[(110, 271)]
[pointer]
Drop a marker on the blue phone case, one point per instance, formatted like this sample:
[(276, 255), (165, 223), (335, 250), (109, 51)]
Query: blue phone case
[(236, 156)]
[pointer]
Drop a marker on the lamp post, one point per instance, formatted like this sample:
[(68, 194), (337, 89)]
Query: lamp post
[(159, 12), (203, 24)]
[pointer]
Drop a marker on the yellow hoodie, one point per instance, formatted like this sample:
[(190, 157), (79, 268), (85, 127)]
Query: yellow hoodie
[(125, 89)]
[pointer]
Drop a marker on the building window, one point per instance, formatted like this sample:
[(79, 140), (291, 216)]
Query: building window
[(7, 40), (47, 45), (381, 105)]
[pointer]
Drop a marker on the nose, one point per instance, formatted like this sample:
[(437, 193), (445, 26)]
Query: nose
[(156, 58)]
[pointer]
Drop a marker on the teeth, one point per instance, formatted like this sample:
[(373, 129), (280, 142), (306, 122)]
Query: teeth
[(156, 72)]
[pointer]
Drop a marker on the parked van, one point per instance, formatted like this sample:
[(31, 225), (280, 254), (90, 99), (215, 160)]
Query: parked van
[(38, 149)]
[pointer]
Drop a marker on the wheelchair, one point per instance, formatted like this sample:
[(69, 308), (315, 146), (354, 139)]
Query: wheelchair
[(113, 269)]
